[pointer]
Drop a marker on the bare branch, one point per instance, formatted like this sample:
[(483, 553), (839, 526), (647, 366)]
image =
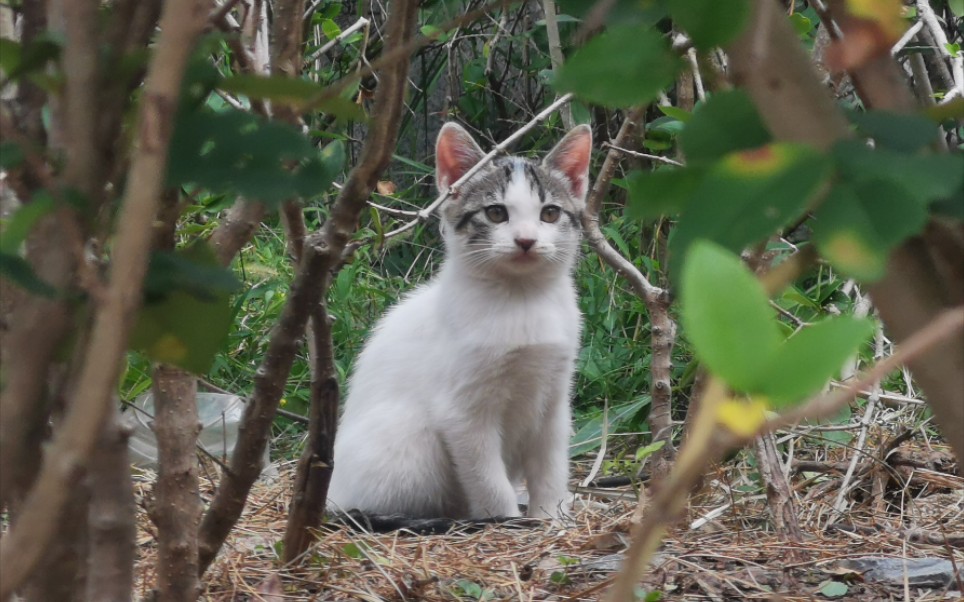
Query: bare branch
[(639, 155), (362, 22)]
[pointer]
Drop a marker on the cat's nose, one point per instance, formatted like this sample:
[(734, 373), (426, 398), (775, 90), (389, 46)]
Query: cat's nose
[(525, 243)]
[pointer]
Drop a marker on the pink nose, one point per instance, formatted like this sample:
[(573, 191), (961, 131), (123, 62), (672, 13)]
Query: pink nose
[(525, 243)]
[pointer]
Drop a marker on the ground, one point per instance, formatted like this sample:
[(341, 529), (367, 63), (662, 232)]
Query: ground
[(735, 555)]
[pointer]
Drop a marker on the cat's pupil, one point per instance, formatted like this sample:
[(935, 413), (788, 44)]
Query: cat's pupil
[(496, 213), (550, 214)]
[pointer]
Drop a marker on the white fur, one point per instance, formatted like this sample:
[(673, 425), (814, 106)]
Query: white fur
[(462, 392)]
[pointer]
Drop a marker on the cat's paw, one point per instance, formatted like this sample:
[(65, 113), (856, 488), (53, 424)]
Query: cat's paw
[(491, 507)]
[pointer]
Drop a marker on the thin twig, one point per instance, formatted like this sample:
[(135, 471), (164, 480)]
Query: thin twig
[(906, 38), (640, 155), (361, 22)]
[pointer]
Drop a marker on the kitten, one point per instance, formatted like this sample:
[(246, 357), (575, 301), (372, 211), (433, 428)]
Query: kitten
[(463, 390)]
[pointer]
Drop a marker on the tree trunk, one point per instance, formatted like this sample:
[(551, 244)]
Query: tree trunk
[(177, 505), (111, 518)]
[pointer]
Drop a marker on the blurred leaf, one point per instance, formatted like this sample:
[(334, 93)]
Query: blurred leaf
[(644, 68), (709, 22), (807, 360), (187, 312), (330, 29), (277, 87), (17, 60), (749, 195), (675, 112), (621, 12), (845, 234), (952, 109), (9, 56), (741, 417), (194, 270), (19, 224), (662, 192), (903, 132), (293, 90), (925, 178), (726, 122), (11, 155), (957, 7), (801, 24), (233, 151), (17, 270), (726, 316)]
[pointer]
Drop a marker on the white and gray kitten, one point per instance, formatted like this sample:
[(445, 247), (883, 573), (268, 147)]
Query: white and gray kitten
[(462, 393)]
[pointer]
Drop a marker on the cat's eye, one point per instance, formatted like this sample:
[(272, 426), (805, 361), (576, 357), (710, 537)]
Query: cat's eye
[(550, 214), (496, 213)]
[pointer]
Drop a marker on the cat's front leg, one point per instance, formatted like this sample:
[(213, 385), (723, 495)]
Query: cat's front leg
[(477, 453), (546, 462)]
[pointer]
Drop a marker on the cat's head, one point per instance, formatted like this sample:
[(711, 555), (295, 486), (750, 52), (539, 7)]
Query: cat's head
[(515, 216)]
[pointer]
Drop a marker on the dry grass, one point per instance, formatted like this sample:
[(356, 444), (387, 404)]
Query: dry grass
[(735, 556)]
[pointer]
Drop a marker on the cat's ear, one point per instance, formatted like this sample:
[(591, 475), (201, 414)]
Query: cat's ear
[(455, 153), (571, 159)]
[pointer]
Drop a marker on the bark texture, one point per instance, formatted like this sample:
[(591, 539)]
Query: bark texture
[(177, 504), (111, 518)]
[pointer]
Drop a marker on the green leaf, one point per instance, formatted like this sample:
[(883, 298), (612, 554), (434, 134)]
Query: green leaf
[(675, 112), (233, 151), (620, 12), (726, 122), (807, 360), (709, 22), (11, 155), (957, 7), (727, 317), (330, 29), (801, 24), (589, 436), (22, 221), (926, 178), (644, 68), (662, 192), (9, 56), (194, 269), (898, 131), (187, 312), (749, 195), (292, 90), (860, 222), (833, 589), (17, 270), (17, 60)]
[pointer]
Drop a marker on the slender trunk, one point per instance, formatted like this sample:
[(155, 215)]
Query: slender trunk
[(111, 518), (177, 504), (317, 460)]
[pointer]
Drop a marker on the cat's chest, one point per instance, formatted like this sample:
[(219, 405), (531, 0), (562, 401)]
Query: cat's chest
[(550, 319)]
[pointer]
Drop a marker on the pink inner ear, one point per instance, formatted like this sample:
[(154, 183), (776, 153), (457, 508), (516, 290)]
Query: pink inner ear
[(571, 157), (455, 154)]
